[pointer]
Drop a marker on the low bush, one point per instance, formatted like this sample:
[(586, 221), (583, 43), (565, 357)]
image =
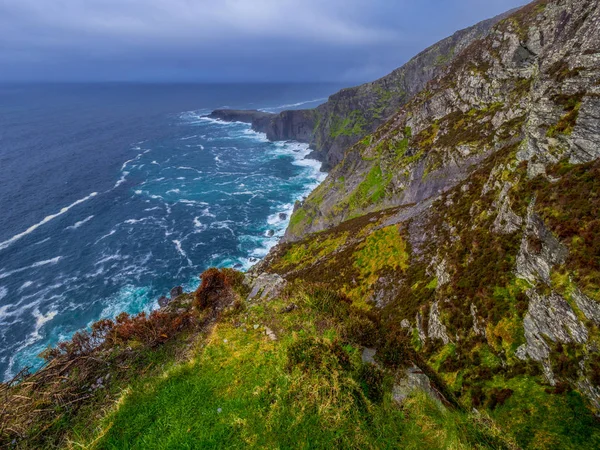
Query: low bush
[(372, 380), (316, 355)]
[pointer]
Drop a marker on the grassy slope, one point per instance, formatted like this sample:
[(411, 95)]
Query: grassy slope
[(308, 389)]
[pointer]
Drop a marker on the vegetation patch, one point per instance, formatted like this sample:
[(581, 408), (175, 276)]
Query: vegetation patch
[(383, 249), (571, 105), (304, 254)]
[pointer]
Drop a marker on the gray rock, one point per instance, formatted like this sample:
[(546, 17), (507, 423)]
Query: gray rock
[(282, 216), (436, 329), (267, 286), (368, 355), (414, 379), (176, 291), (478, 327), (534, 264), (506, 221), (590, 308), (289, 308), (549, 318), (270, 233), (420, 327), (270, 334), (163, 301)]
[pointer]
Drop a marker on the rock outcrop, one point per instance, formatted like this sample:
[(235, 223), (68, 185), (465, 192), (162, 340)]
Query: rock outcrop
[(355, 112)]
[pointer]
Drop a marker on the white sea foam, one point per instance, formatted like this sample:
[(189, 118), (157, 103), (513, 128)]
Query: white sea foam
[(25, 286), (129, 298), (128, 161), (188, 137), (192, 202), (32, 266), (218, 121), (121, 180), (46, 219), (199, 226), (174, 191), (254, 135), (3, 292), (78, 224), (40, 321), (206, 213), (292, 105), (188, 168), (181, 252), (42, 241), (134, 221), (105, 236), (105, 259)]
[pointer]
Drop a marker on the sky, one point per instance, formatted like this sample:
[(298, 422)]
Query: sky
[(224, 40)]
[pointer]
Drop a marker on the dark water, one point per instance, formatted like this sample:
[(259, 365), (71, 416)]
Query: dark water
[(112, 194)]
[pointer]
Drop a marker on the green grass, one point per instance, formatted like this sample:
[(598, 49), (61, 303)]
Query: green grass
[(538, 419), (384, 249), (304, 254), (308, 389), (351, 125), (371, 190)]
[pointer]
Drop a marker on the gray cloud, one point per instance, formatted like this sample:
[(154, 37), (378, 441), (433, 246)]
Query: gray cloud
[(242, 40)]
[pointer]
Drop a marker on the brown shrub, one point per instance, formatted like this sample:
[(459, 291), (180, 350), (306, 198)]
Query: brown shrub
[(498, 397), (396, 351), (361, 329), (214, 283)]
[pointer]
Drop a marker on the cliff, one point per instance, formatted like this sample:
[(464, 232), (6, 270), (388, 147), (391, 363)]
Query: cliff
[(440, 289), (352, 113), (470, 218)]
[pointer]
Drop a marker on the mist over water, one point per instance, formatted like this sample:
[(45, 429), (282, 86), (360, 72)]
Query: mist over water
[(113, 194)]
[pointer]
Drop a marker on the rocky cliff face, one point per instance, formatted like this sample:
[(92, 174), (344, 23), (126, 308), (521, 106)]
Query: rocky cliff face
[(470, 218), (527, 82), (354, 112)]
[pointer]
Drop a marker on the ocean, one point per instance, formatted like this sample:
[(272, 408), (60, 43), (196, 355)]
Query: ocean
[(112, 194)]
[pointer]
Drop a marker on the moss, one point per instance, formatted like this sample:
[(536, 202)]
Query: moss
[(300, 218), (371, 190), (433, 284), (565, 125), (561, 71), (444, 59), (542, 420), (304, 254), (383, 249), (351, 125), (571, 207), (448, 351)]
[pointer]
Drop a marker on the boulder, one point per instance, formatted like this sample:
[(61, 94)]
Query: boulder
[(176, 291), (163, 301)]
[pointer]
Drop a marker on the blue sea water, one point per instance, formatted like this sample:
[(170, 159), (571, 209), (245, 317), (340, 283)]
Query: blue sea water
[(111, 194)]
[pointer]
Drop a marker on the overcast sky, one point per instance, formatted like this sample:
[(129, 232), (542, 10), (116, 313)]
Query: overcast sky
[(224, 40)]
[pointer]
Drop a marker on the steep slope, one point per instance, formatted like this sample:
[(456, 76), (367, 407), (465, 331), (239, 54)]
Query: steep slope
[(354, 112), (470, 220), (528, 81)]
